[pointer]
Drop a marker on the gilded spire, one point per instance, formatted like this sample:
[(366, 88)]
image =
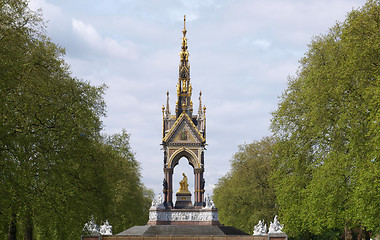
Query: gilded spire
[(184, 31), (167, 104), (200, 104), (184, 53), (184, 87)]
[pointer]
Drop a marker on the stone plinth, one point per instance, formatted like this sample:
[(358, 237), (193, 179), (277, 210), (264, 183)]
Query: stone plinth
[(271, 236), (277, 236), (182, 231), (183, 217), (183, 200), (260, 237)]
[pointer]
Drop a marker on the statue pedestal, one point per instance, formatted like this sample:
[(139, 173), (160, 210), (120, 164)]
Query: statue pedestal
[(184, 212), (277, 236), (183, 200), (183, 217)]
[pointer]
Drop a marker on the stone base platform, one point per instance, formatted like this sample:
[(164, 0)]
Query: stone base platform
[(181, 231), (197, 217), (183, 200)]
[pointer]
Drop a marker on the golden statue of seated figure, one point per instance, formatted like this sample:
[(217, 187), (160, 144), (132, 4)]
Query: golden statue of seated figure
[(183, 185)]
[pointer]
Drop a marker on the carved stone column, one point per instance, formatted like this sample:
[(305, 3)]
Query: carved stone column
[(198, 188), (168, 190)]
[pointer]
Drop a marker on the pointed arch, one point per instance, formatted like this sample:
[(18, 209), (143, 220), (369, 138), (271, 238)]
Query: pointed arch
[(183, 152)]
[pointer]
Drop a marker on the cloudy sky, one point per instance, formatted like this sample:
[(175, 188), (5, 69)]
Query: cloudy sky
[(241, 54)]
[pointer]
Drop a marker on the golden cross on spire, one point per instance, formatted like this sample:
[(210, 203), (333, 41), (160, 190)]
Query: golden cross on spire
[(184, 25)]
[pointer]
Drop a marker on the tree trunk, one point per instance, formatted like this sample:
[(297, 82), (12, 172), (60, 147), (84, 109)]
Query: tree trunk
[(363, 234), (347, 233), (12, 228), (28, 233)]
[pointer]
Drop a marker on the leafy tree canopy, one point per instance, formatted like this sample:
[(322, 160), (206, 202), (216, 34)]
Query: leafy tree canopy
[(327, 126), (244, 196), (56, 169)]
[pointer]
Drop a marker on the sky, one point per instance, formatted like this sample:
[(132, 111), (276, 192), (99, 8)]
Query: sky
[(241, 55)]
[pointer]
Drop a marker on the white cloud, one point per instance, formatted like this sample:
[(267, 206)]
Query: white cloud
[(108, 46), (261, 43)]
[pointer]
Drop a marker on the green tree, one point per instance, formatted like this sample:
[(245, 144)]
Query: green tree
[(244, 196), (130, 200), (56, 169), (327, 130)]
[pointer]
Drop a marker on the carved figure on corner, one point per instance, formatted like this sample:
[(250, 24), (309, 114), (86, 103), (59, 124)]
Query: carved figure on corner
[(209, 202), (91, 227), (158, 202), (260, 228), (203, 184), (165, 185), (106, 228), (275, 226)]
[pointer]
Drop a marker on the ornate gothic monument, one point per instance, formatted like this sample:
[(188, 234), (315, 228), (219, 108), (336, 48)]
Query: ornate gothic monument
[(184, 135)]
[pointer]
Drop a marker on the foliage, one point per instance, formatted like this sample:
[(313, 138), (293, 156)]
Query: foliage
[(244, 196), (130, 200), (56, 170), (327, 126)]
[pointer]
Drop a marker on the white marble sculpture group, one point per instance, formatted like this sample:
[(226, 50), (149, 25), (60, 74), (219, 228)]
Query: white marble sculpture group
[(209, 202), (106, 229), (260, 228), (274, 227), (174, 216), (92, 228), (158, 203), (207, 213)]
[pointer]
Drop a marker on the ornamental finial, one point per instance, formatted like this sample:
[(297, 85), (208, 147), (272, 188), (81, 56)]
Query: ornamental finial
[(200, 104), (167, 104), (184, 54), (184, 26)]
